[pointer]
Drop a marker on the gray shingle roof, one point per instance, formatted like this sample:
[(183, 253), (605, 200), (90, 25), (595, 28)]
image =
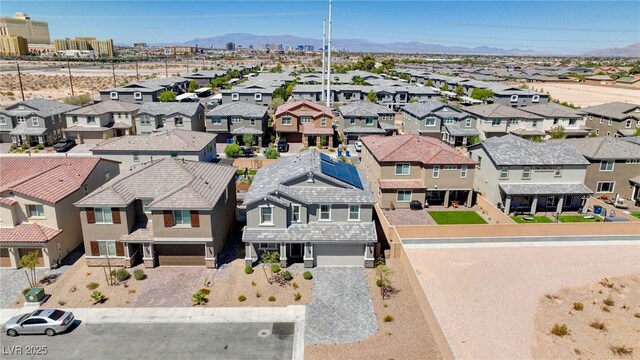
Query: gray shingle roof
[(499, 111), (546, 189), (315, 232), (603, 148), (513, 150), (168, 108), (363, 130), (172, 140), (456, 130), (106, 107), (22, 129), (365, 108), (551, 110), (614, 110), (41, 107), (191, 185), (422, 109), (239, 108)]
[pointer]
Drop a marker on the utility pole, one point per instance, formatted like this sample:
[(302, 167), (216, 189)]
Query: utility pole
[(113, 70), (166, 69), (70, 78), (20, 80), (329, 58), (137, 75), (324, 35)]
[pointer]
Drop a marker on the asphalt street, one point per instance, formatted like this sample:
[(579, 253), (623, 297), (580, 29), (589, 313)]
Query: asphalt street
[(156, 341)]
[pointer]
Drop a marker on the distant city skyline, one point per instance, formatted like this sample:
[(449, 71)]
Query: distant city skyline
[(547, 26)]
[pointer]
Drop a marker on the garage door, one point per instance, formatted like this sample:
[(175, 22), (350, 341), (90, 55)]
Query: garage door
[(339, 255), (294, 137), (22, 252), (5, 261), (180, 254)]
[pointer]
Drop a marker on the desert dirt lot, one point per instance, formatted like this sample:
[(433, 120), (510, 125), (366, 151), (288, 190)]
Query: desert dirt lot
[(601, 317), (486, 298), (587, 95)]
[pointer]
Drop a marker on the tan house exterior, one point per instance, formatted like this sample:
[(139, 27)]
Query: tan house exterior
[(613, 119), (36, 204), (304, 121), (145, 216), (411, 167)]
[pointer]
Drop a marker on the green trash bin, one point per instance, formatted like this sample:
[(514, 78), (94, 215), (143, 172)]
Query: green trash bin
[(34, 295)]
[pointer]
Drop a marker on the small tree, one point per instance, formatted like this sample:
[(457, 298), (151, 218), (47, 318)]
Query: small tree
[(637, 133), (459, 90), (275, 102), (271, 153), (372, 96), (323, 141), (232, 150), (473, 139), (167, 96), (384, 280), (481, 94), (29, 262), (593, 134), (248, 140), (79, 100), (558, 132), (193, 85), (428, 83), (536, 139), (444, 87)]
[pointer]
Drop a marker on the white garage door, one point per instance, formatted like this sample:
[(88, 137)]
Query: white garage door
[(339, 255)]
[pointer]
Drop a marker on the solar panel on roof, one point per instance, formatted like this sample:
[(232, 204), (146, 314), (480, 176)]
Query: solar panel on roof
[(341, 171), (326, 158)]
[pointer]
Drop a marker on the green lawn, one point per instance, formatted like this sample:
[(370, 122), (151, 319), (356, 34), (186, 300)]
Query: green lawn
[(576, 218), (536, 219), (251, 171), (636, 214), (456, 217)]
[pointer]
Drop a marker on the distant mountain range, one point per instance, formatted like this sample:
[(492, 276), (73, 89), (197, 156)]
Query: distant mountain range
[(360, 45)]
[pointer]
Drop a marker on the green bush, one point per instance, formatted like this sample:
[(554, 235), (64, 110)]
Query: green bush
[(297, 296), (24, 146), (92, 285), (242, 298), (272, 298), (248, 269), (199, 298), (271, 153), (97, 297), (287, 275), (307, 275), (139, 274), (39, 147), (122, 275), (275, 268), (205, 291), (232, 150), (13, 147), (379, 282), (388, 318)]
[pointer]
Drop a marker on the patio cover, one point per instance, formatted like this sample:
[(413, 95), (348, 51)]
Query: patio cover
[(545, 189)]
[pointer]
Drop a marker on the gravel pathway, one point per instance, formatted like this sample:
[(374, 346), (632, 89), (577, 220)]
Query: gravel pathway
[(342, 309)]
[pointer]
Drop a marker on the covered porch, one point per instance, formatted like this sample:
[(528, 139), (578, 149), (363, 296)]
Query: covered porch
[(312, 135), (22, 134), (449, 198), (352, 133), (534, 198), (239, 134), (455, 136)]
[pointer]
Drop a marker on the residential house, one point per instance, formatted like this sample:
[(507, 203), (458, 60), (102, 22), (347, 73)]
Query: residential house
[(163, 116), (554, 115), (104, 120), (304, 121), (237, 119), (411, 167), (516, 174), (166, 212), (613, 119), (36, 204), (497, 120), (146, 90), (310, 208), (37, 121), (440, 121), (258, 89), (132, 151), (204, 77), (366, 118), (613, 163)]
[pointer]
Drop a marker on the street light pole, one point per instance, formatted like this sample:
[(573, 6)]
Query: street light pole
[(20, 80), (324, 35), (329, 58)]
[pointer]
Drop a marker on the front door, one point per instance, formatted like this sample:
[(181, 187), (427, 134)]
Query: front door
[(296, 250), (551, 201)]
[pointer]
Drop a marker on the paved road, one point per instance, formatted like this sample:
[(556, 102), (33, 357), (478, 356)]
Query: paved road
[(160, 341)]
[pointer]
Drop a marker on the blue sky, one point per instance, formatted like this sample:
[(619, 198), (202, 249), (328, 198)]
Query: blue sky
[(558, 26)]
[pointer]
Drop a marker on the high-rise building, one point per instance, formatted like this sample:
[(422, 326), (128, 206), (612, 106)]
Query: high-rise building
[(35, 32), (308, 48), (100, 47), (230, 46), (13, 45)]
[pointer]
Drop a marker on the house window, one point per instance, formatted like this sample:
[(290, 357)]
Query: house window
[(216, 120), (448, 121), (113, 95), (103, 216), (436, 171), (136, 157), (606, 165), (605, 186), (430, 121), (35, 121), (467, 123), (535, 98), (137, 95), (181, 217), (601, 120), (145, 205), (266, 215), (174, 155), (403, 169), (526, 173), (450, 167), (555, 121), (514, 121), (354, 212), (496, 122), (235, 97), (268, 246), (107, 248), (514, 98), (257, 97), (504, 172), (295, 213), (144, 120), (286, 120), (35, 210), (369, 121), (323, 122), (325, 212), (558, 172), (236, 119), (3, 120), (572, 122), (534, 123), (305, 119), (352, 121), (609, 122), (597, 131), (463, 171), (107, 176), (74, 120), (91, 119), (252, 122), (403, 196), (479, 162), (178, 121), (21, 119), (628, 123)]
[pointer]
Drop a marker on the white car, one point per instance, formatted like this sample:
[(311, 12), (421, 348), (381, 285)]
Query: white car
[(358, 145)]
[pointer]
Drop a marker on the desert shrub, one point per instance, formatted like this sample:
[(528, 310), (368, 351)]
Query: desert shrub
[(637, 315), (253, 283), (609, 301), (272, 298), (205, 291), (25, 291), (122, 275), (24, 146), (242, 298), (275, 268), (139, 274), (295, 286), (79, 100), (258, 294), (92, 285), (287, 275), (560, 330), (621, 350), (13, 147), (605, 309), (61, 302), (578, 306), (388, 318), (271, 153), (248, 269), (199, 298), (307, 275), (597, 325), (297, 296), (605, 282), (39, 147), (97, 297)]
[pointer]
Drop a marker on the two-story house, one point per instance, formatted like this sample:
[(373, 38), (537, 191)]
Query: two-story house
[(167, 212), (132, 151), (204, 77), (555, 115), (162, 116), (37, 121), (304, 121), (613, 119), (441, 121), (237, 119), (410, 167), (613, 163), (36, 204), (498, 120), (310, 208), (104, 120), (516, 174), (145, 90), (366, 118)]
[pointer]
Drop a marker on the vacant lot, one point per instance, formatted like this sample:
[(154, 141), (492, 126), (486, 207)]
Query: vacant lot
[(587, 95), (456, 217)]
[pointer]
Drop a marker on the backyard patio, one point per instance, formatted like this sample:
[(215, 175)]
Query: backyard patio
[(437, 215)]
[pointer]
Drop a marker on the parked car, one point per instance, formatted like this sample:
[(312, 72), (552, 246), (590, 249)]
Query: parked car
[(283, 146), (41, 321), (247, 151), (358, 145), (64, 145)]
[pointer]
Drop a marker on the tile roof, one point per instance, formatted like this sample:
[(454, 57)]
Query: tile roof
[(168, 108), (614, 110), (191, 185), (104, 107), (364, 108), (499, 111), (239, 108), (41, 107), (604, 147), (316, 232), (49, 179), (512, 150), (311, 129), (291, 106), (28, 233), (413, 148), (171, 140)]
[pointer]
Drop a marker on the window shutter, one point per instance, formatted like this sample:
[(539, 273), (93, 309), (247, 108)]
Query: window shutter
[(115, 215), (91, 216), (168, 218), (195, 219), (95, 249), (119, 248)]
